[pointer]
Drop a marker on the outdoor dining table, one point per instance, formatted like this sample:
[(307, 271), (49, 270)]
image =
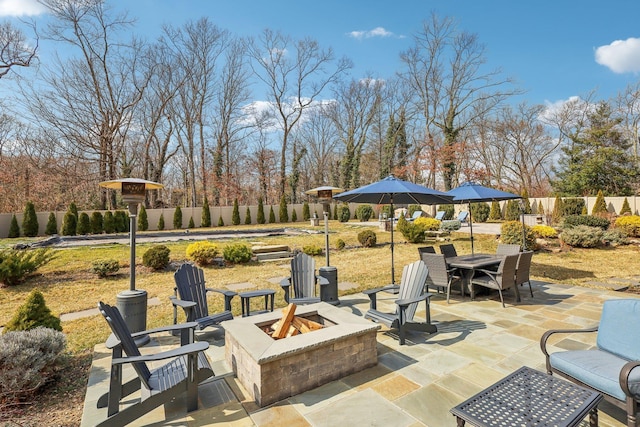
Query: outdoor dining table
[(467, 264)]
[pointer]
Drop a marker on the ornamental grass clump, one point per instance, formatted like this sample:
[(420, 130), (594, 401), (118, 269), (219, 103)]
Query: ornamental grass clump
[(202, 253)]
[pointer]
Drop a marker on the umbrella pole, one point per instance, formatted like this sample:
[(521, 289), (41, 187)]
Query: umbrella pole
[(393, 276), (471, 229)]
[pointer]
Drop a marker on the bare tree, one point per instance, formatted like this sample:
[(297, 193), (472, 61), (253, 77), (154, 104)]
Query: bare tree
[(14, 49), (445, 69), (628, 105), (295, 73)]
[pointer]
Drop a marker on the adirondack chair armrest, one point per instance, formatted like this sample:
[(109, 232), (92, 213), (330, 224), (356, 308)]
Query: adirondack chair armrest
[(228, 296), (285, 283), (112, 341), (181, 303), (322, 280), (169, 354), (373, 302), (405, 302), (545, 337)]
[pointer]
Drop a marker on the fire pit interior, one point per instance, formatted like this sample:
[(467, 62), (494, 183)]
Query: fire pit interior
[(273, 369)]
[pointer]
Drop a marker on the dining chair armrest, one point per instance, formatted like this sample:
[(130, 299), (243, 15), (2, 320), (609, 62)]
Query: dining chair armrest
[(625, 372)]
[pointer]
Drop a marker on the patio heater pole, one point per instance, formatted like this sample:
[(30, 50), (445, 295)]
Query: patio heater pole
[(393, 273), (524, 232), (326, 231)]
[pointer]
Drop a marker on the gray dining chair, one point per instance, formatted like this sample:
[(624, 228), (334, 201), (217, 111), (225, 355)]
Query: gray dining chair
[(523, 268), (440, 276), (448, 250), (507, 249), (426, 250), (503, 278)]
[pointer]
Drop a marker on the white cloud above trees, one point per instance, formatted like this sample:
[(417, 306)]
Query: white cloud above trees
[(376, 32), (621, 56), (21, 8)]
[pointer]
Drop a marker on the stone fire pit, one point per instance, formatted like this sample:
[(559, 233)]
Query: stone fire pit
[(271, 370)]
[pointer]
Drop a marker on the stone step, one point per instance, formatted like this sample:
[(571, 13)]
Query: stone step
[(610, 286), (273, 255), (269, 248)]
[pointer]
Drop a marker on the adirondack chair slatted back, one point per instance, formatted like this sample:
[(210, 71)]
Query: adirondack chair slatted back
[(121, 331), (414, 276), (506, 276), (303, 276), (192, 287)]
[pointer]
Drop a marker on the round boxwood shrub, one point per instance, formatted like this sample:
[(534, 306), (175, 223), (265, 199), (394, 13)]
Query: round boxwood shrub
[(340, 244), (367, 238), (630, 224), (202, 253), (511, 233), (480, 212), (364, 212), (237, 253), (156, 257), (312, 250)]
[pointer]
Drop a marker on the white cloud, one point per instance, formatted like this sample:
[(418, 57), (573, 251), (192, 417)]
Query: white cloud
[(621, 56), (21, 8), (376, 32)]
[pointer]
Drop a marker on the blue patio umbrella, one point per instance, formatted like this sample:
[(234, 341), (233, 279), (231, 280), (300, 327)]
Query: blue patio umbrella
[(393, 190), (470, 192)]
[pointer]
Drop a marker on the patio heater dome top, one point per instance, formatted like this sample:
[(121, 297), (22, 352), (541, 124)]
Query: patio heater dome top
[(133, 189)]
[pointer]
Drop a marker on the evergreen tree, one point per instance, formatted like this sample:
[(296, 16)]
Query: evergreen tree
[(143, 220), (161, 222), (294, 215), (235, 215), (540, 208), (260, 215), (306, 212), (283, 213), (335, 212), (30, 221), (74, 210), (192, 224), (52, 225), (14, 228), (220, 222), (33, 313), (512, 212), (558, 210), (600, 206), (69, 224), (109, 223), (272, 215), (84, 224), (206, 213), (247, 216), (626, 209), (97, 223), (121, 221), (597, 157), (495, 214), (525, 200), (177, 218)]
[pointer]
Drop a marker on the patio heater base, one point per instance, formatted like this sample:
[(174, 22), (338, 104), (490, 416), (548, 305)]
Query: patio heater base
[(133, 307)]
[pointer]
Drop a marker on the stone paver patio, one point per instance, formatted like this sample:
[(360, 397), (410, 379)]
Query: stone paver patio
[(478, 343)]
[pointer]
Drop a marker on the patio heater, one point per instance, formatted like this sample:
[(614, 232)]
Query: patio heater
[(329, 293), (132, 304)]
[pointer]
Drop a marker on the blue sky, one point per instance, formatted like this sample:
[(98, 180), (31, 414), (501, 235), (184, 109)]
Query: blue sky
[(553, 49)]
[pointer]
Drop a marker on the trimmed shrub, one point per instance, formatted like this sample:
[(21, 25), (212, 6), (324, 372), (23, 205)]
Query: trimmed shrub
[(272, 215), (220, 221), (121, 220), (247, 216), (450, 225), (33, 313), (205, 221), (495, 214), (402, 224), (84, 224), (29, 360), (30, 221), (191, 224), (588, 220), (156, 257), (16, 265), (109, 223), (511, 233), (294, 215), (427, 224), (615, 237), (283, 213), (364, 212), (600, 206), (235, 215), (449, 211), (558, 210), (540, 210), (237, 253), (106, 267), (143, 219), (202, 253), (344, 214), (582, 236), (97, 221), (340, 244), (260, 215), (412, 232), (306, 212), (335, 212), (544, 232), (625, 209), (312, 250), (367, 238), (177, 218), (630, 224), (69, 224), (14, 228), (73, 209), (480, 212), (161, 222), (52, 225)]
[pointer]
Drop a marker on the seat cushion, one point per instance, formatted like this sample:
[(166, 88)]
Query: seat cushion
[(598, 369)]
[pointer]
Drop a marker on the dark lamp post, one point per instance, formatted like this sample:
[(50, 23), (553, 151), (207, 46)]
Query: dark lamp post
[(132, 304)]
